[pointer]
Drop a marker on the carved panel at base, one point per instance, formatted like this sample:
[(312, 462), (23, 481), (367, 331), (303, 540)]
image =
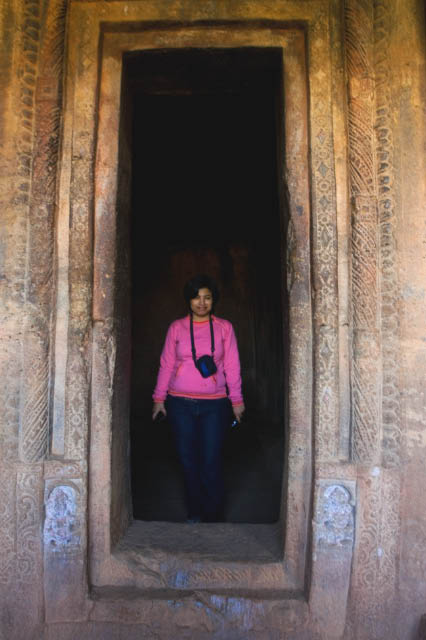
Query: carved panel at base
[(7, 523), (335, 517), (334, 530), (63, 520), (375, 567), (28, 522), (61, 527), (20, 519)]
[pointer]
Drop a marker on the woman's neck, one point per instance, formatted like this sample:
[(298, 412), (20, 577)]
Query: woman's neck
[(196, 318)]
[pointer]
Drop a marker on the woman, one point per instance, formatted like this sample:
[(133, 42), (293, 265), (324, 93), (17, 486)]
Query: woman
[(199, 376)]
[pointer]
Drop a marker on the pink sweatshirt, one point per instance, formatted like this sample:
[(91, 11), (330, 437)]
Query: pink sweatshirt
[(178, 375)]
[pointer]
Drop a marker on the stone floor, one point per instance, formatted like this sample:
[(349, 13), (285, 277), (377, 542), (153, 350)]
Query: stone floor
[(213, 542), (253, 460)]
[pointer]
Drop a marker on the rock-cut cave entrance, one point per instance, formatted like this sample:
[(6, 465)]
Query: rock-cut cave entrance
[(205, 149)]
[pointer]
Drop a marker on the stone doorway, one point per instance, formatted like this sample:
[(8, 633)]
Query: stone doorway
[(97, 159), (205, 149)]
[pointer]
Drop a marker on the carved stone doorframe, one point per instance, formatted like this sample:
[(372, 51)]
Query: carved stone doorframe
[(115, 44), (85, 334)]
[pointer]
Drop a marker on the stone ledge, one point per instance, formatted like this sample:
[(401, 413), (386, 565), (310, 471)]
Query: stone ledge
[(162, 609), (133, 594)]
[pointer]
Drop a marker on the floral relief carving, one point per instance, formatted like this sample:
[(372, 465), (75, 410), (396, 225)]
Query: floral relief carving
[(324, 244)]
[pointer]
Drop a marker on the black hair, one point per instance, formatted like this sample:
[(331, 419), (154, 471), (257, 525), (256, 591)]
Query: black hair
[(198, 282)]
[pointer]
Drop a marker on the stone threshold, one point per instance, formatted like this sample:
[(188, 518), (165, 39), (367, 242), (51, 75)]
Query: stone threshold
[(132, 594), (163, 556)]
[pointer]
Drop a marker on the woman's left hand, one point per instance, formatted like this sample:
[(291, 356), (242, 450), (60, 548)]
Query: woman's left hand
[(238, 411)]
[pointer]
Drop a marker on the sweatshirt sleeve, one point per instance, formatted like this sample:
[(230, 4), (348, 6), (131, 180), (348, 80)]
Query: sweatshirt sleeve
[(167, 364), (232, 367)]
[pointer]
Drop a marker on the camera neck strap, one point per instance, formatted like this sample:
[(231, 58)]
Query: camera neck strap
[(191, 328)]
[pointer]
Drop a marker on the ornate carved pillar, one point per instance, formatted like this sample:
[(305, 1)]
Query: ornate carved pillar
[(391, 411), (366, 369), (41, 97), (375, 403)]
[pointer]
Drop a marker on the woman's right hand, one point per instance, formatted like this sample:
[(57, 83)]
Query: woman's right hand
[(158, 407)]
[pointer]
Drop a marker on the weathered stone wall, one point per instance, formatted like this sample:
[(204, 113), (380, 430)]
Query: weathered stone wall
[(354, 561), (32, 61)]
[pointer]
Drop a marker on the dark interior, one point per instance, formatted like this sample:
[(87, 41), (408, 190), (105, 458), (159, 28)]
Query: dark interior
[(206, 149)]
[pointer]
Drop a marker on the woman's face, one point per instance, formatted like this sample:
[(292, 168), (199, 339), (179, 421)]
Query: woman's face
[(202, 304)]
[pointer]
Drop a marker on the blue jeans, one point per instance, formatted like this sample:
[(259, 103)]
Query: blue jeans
[(199, 428)]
